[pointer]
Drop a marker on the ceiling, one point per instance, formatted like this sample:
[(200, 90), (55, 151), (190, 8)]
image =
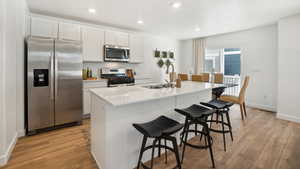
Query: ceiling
[(210, 16)]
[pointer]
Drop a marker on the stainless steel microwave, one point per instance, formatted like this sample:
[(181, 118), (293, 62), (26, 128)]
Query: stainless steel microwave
[(116, 53)]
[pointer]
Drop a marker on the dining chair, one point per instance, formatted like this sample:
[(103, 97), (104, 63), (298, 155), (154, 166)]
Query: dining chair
[(197, 78), (219, 78), (239, 99), (205, 77), (183, 77)]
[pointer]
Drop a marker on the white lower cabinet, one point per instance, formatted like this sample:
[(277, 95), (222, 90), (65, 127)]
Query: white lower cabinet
[(87, 85), (86, 102)]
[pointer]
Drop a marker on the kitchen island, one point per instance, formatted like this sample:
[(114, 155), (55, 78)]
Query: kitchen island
[(115, 143)]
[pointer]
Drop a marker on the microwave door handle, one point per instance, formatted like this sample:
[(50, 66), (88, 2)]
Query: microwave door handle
[(127, 54)]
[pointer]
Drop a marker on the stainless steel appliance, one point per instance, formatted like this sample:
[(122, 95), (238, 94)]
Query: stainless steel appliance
[(53, 83), (116, 77), (116, 53)]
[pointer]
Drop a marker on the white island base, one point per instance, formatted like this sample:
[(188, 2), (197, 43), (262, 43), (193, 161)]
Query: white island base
[(115, 143)]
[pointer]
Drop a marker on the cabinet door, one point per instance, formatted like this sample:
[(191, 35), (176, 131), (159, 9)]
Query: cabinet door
[(86, 101), (92, 43), (69, 31), (122, 39), (116, 38), (43, 27), (136, 48), (111, 38)]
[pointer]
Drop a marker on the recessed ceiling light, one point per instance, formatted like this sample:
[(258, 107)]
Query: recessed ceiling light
[(176, 4), (92, 10), (140, 21), (197, 29)]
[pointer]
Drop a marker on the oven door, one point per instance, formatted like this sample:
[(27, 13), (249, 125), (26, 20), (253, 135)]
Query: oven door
[(116, 54)]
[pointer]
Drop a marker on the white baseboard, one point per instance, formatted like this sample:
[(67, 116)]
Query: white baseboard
[(21, 133), (5, 157), (288, 118), (97, 162), (260, 106)]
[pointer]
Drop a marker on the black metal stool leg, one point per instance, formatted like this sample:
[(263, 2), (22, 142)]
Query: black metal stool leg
[(210, 146), (176, 152), (182, 134), (212, 117), (166, 152), (229, 124), (159, 148), (185, 141), (201, 135), (153, 149), (223, 129), (142, 151)]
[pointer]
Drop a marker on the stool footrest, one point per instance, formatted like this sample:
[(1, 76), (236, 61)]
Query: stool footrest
[(198, 146)]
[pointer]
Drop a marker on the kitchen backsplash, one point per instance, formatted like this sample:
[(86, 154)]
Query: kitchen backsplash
[(96, 66)]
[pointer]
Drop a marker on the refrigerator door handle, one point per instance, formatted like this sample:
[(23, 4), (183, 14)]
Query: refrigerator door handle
[(52, 76), (56, 77)]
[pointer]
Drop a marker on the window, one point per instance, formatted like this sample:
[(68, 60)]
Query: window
[(232, 61), (227, 61), (224, 60)]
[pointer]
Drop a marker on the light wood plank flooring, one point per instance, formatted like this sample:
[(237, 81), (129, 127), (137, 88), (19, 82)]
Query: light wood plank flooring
[(260, 142)]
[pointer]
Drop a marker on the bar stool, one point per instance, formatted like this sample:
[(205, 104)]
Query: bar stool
[(196, 114), (158, 129), (221, 108)]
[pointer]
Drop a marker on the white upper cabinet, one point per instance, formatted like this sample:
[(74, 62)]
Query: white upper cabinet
[(116, 38), (123, 39), (92, 43), (43, 27), (68, 31), (136, 48)]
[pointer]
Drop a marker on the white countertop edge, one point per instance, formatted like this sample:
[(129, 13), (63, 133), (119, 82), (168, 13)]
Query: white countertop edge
[(146, 100)]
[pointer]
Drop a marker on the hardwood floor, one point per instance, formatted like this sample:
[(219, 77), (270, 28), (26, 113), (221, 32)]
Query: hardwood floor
[(260, 142)]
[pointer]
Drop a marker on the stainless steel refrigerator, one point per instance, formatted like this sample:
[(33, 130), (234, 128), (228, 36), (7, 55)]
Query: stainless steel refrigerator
[(53, 82)]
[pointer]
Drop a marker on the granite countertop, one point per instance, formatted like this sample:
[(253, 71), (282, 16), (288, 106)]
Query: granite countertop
[(118, 96)]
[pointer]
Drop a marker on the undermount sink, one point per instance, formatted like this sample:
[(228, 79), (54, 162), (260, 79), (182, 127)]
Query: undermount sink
[(159, 86)]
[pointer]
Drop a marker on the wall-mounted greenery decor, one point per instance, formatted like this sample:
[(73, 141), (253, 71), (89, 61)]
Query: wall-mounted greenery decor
[(157, 53), (165, 59), (171, 55), (164, 54), (168, 62), (160, 63)]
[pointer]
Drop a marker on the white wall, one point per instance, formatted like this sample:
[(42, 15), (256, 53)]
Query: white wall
[(186, 57), (2, 125), (288, 68), (12, 24), (259, 60)]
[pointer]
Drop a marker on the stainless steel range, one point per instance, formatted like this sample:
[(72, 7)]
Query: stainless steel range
[(117, 77)]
